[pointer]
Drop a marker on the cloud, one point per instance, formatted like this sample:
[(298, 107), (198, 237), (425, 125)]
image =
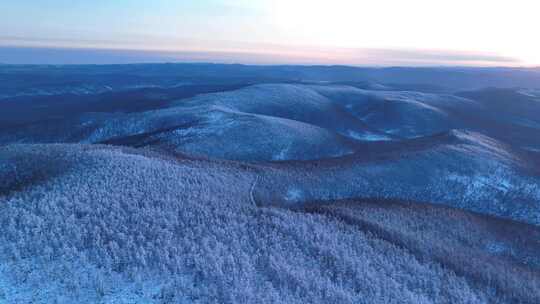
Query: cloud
[(436, 56), (58, 51)]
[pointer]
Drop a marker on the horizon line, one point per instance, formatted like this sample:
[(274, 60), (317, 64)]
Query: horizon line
[(67, 55)]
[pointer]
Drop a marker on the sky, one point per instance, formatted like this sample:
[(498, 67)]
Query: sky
[(353, 32)]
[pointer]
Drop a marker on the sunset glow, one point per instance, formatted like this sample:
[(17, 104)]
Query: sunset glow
[(386, 32)]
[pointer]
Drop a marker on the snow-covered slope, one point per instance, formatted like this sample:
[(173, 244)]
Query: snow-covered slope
[(223, 133), (285, 122), (212, 131), (360, 115), (295, 102), (266, 122), (460, 169), (208, 184), (402, 113), (86, 223), (494, 252), (280, 121)]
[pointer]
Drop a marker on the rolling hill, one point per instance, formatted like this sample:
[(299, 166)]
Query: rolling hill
[(202, 183)]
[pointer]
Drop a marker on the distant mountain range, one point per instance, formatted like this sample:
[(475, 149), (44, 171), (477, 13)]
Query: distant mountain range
[(37, 80)]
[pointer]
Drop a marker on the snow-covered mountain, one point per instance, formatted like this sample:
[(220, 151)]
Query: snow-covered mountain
[(225, 184), (92, 223)]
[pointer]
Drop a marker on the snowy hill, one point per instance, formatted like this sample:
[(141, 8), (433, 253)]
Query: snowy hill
[(459, 169), (241, 184), (332, 116), (312, 126), (130, 226)]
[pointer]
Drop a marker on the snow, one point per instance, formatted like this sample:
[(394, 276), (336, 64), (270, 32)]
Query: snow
[(535, 93), (326, 120), (403, 113), (299, 103), (213, 125), (294, 195), (116, 225), (368, 137), (463, 170), (236, 197)]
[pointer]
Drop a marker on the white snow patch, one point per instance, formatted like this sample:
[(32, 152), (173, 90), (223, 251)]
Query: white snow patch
[(367, 136), (294, 195)]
